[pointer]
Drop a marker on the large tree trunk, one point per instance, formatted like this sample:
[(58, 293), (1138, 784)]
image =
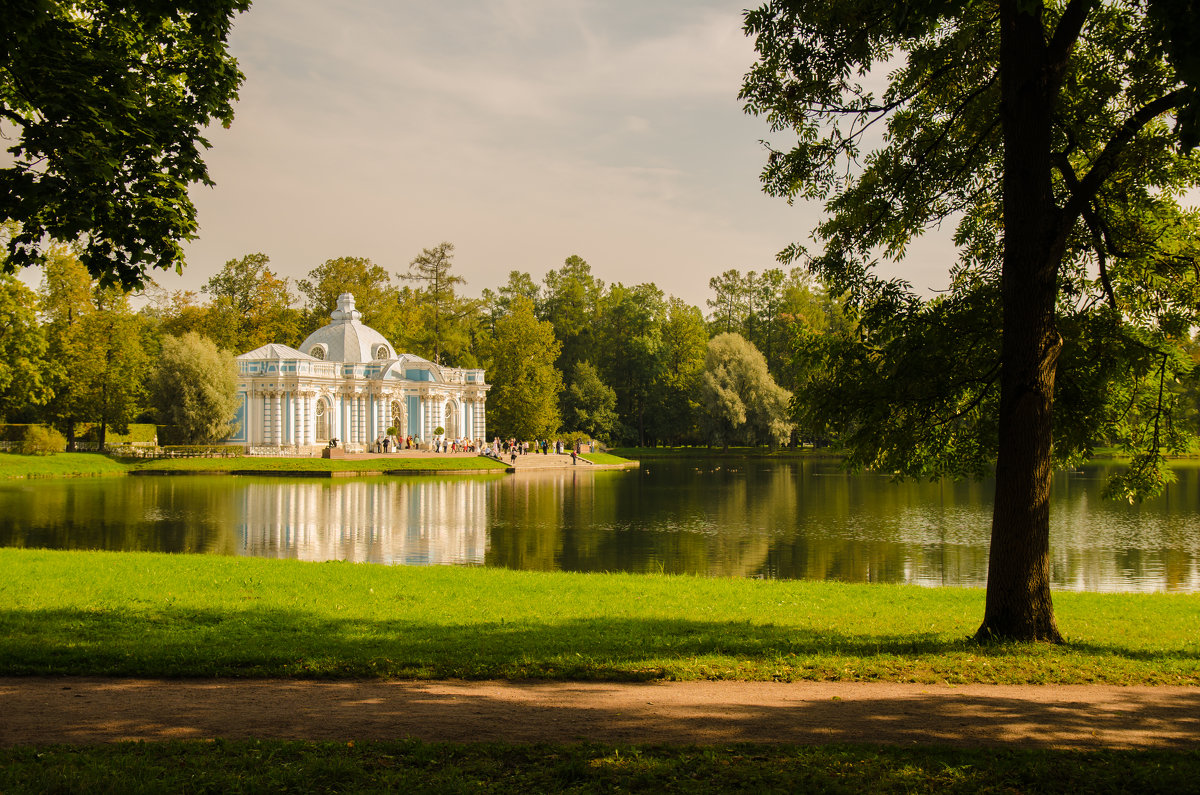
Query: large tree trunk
[(1019, 605)]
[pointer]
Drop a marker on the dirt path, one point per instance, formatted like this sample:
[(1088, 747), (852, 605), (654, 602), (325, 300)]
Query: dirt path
[(88, 710)]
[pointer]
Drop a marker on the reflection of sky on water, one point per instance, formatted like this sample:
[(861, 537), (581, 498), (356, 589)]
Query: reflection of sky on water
[(414, 523)]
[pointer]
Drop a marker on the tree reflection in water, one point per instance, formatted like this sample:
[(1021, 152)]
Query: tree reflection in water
[(724, 519)]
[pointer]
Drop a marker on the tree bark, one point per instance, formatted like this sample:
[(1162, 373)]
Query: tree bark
[(1019, 605)]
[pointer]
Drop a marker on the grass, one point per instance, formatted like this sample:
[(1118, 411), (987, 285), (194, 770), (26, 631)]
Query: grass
[(59, 465), (412, 766), (65, 465), (604, 458), (138, 614), (264, 464)]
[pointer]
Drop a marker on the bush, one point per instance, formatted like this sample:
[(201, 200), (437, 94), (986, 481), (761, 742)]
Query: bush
[(40, 440)]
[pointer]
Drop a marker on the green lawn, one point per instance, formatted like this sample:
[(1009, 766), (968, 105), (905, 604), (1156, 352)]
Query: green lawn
[(137, 614), (411, 766), (604, 458), (265, 464), (59, 465), (64, 465)]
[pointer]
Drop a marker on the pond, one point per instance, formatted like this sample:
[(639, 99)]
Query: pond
[(746, 518)]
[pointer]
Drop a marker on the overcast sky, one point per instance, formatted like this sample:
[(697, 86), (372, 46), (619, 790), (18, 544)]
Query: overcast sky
[(522, 131)]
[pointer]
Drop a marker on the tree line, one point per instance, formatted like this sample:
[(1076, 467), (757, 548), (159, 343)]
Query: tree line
[(624, 364)]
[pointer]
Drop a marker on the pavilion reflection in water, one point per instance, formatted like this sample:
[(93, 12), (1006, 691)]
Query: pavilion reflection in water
[(412, 523)]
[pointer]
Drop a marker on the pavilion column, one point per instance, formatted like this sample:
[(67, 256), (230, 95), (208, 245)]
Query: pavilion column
[(427, 425), (265, 436), (297, 419), (276, 419), (362, 418), (480, 420), (306, 419)]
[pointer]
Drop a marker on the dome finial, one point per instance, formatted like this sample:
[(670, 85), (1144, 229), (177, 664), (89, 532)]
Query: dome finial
[(345, 312)]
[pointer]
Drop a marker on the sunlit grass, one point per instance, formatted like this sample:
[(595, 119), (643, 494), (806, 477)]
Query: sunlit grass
[(161, 615), (604, 458), (58, 465), (267, 464)]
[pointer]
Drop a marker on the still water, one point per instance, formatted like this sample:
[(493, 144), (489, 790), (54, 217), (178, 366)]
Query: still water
[(736, 519)]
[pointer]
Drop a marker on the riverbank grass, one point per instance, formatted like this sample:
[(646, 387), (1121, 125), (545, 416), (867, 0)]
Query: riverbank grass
[(264, 464), (605, 458), (412, 766), (138, 614), (59, 465), (66, 465)]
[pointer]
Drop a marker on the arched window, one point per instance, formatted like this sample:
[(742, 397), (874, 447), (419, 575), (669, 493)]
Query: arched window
[(398, 417), (322, 417), (317, 352), (382, 352)]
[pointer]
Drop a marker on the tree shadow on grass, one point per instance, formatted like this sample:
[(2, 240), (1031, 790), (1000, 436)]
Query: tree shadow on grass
[(273, 642)]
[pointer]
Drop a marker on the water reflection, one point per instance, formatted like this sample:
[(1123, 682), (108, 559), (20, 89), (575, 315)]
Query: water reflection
[(429, 521), (749, 519)]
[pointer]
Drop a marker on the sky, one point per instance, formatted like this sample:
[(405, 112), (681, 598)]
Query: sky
[(521, 131)]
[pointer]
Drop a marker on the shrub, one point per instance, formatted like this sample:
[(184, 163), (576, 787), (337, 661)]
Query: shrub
[(438, 431), (40, 440)]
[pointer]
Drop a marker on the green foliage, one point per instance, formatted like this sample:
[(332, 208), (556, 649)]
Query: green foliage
[(97, 361), (374, 295), (40, 440), (629, 338), (685, 344), (108, 101), (741, 402), (523, 402), (443, 333), (194, 389), (936, 364), (571, 303), (251, 306), (22, 349), (591, 405)]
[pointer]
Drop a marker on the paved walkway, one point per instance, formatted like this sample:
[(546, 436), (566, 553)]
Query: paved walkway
[(92, 710)]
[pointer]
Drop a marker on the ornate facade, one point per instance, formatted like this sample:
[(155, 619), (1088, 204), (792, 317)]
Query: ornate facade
[(347, 383)]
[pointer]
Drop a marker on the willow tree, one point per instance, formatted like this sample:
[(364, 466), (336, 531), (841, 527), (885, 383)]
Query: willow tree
[(1055, 137)]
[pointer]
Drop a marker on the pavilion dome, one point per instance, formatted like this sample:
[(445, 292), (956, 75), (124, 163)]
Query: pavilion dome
[(346, 339)]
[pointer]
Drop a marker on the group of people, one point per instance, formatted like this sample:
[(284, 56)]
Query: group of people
[(394, 444), (513, 448)]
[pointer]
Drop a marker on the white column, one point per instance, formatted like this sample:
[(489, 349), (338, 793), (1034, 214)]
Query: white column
[(361, 406), (276, 419), (427, 425), (297, 419), (481, 419), (266, 429), (308, 418)]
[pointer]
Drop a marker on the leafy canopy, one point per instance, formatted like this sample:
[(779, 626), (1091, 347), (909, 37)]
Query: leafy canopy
[(895, 114), (105, 103)]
